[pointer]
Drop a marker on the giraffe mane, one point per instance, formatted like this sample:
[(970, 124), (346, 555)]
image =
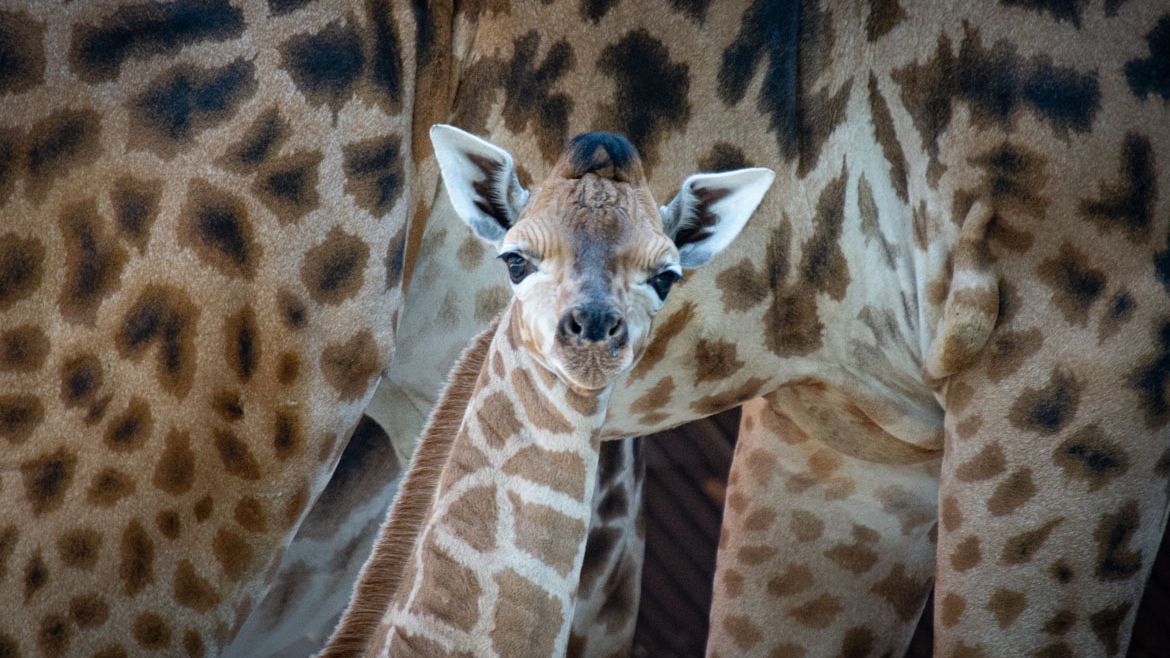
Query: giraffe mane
[(380, 576)]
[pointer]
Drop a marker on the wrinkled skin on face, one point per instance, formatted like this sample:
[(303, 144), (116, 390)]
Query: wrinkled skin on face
[(595, 259)]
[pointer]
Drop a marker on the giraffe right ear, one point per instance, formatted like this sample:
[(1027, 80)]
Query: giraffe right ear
[(481, 181)]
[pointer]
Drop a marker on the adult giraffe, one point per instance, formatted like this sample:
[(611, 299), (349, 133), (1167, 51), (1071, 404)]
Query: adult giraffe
[(959, 287), (202, 207)]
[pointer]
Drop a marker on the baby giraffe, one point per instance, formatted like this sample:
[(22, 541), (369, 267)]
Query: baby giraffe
[(483, 549)]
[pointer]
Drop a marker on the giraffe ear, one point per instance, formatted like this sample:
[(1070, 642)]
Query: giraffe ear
[(481, 181), (711, 209)]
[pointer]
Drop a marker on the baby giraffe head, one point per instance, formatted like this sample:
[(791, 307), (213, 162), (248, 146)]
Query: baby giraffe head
[(590, 255)]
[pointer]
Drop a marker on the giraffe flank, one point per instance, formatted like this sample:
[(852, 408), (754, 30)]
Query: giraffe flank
[(483, 552), (200, 239), (955, 309)]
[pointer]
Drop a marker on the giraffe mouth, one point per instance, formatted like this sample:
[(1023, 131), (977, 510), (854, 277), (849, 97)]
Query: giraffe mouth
[(592, 367)]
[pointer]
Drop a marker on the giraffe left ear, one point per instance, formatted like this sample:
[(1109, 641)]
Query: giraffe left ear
[(711, 209), (481, 181)]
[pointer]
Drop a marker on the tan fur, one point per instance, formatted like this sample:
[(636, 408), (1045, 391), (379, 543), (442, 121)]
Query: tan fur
[(379, 577)]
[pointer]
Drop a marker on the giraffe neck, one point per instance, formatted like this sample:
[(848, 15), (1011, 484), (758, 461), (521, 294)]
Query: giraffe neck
[(496, 565)]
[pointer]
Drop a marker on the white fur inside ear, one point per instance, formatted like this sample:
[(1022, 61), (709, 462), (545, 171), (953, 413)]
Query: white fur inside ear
[(711, 209), (480, 179)]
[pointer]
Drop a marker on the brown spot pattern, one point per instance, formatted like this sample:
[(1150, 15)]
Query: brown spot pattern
[(349, 366)]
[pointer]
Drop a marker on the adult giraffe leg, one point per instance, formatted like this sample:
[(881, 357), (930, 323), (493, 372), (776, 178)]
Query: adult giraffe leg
[(820, 552), (606, 609), (1053, 491)]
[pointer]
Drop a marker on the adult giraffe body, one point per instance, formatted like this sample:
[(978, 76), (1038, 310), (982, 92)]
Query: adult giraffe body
[(959, 280), (199, 205)]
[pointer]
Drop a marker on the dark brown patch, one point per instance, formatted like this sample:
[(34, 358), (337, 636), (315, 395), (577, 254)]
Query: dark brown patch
[(93, 261), (468, 516), (1075, 285), (136, 206), (89, 610), (241, 339), (664, 332), (228, 405), (81, 377), (546, 534), (261, 140), (1008, 350), (233, 553), (151, 632), (989, 463), (164, 315), (1061, 571), (326, 66), (193, 644), (855, 557), (1060, 623), (175, 471), (214, 223), (98, 51), (951, 609), (715, 360), (373, 173), (1128, 203), (184, 101), (79, 547), (883, 121), (1107, 624), (203, 508), (292, 310), (57, 144), (966, 554), (288, 186), (1119, 311), (20, 414), (23, 348), (723, 157), (1114, 532), (793, 580), (1006, 605), (22, 267), (287, 435), (169, 523), (1014, 179), (192, 591), (997, 85), (47, 478), (130, 430), (288, 368), (884, 15), (334, 270), (818, 612), (650, 91), (53, 636), (1021, 548), (714, 403), (1091, 456), (108, 487), (796, 40), (822, 262), (902, 592), (22, 52), (35, 577), (136, 563), (1013, 492), (235, 455), (1047, 410), (249, 513), (349, 366)]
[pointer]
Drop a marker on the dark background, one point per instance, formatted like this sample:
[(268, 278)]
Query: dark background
[(686, 475)]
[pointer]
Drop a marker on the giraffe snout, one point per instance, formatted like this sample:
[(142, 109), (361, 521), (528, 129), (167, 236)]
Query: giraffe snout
[(593, 323)]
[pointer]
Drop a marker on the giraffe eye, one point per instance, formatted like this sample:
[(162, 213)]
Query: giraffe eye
[(662, 282), (518, 266)]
